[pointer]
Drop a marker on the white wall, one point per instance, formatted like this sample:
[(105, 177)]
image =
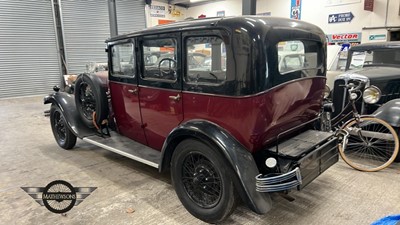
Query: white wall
[(153, 21), (316, 12), (231, 8)]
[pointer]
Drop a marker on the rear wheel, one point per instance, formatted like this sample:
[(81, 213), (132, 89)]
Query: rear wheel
[(64, 137), (372, 144), (203, 181)]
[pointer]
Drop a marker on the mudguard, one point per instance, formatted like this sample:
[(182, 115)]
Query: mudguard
[(389, 112), (66, 103), (241, 161)]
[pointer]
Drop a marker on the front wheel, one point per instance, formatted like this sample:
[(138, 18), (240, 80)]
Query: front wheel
[(64, 137), (203, 181), (371, 144)]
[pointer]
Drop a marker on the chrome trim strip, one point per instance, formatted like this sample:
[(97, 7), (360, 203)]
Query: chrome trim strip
[(275, 183), (152, 164)]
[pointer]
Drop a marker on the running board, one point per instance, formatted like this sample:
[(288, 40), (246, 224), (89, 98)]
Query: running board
[(126, 147)]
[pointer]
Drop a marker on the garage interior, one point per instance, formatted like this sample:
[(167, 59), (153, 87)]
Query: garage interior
[(42, 43)]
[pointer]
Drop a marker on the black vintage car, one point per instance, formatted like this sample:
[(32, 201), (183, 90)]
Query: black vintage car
[(378, 66)]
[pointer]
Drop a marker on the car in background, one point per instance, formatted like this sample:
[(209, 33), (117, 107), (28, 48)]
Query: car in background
[(378, 65)]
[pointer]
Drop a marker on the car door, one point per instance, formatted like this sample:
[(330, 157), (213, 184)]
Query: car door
[(124, 90), (160, 86)]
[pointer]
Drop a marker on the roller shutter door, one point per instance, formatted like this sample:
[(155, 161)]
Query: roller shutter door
[(86, 27), (130, 16), (29, 62)]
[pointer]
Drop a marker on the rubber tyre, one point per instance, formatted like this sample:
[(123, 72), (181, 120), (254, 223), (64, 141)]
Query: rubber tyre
[(67, 139), (228, 197), (388, 162), (99, 97)]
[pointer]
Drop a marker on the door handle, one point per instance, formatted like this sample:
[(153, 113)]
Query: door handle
[(175, 98), (133, 91)]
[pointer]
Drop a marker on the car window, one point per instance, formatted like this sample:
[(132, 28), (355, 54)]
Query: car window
[(378, 57), (159, 58), (299, 56), (123, 61), (205, 60)]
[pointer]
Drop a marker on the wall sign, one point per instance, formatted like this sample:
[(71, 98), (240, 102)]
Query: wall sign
[(295, 9), (369, 5), (344, 37), (157, 11), (340, 17), (374, 37)]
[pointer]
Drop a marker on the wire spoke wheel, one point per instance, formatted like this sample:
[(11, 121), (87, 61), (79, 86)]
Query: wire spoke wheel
[(87, 100), (59, 196), (201, 180), (59, 125), (372, 144)]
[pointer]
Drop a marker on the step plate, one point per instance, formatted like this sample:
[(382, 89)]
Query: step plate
[(127, 147), (302, 143)]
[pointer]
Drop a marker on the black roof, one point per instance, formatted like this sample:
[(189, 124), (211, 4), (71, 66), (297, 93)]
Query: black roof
[(258, 24), (376, 45)]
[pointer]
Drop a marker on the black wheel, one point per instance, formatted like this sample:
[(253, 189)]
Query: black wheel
[(203, 181), (90, 99), (64, 137)]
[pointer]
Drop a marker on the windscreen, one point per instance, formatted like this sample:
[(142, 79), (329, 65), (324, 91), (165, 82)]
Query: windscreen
[(379, 57)]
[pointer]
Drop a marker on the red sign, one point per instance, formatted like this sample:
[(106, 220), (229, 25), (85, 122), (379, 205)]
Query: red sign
[(345, 37), (369, 5)]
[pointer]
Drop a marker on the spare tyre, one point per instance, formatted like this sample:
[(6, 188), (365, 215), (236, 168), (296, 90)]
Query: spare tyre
[(90, 99)]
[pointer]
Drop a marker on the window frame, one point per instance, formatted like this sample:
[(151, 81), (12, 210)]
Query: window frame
[(111, 65)]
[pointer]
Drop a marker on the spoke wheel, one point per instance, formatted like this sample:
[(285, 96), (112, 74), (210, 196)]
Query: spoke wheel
[(91, 99), (372, 144), (64, 137), (203, 180)]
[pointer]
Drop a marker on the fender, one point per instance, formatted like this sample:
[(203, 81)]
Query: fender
[(66, 103), (241, 160), (389, 112)]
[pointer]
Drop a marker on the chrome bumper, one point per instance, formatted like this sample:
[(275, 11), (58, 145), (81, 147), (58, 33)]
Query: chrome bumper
[(280, 182)]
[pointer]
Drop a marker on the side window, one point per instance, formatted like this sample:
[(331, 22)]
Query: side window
[(123, 61), (159, 58), (205, 60), (304, 56)]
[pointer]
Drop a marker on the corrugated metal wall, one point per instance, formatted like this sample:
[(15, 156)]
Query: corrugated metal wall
[(29, 62), (86, 27), (130, 16)]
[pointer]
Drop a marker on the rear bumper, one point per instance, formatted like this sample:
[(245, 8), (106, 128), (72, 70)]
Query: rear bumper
[(304, 170)]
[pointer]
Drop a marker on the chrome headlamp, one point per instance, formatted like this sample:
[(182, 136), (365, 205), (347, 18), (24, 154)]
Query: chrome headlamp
[(372, 95)]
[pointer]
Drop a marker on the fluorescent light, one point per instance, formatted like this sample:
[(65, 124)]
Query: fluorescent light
[(193, 1)]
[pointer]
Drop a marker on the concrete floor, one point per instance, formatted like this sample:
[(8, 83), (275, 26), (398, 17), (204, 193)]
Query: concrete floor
[(29, 156)]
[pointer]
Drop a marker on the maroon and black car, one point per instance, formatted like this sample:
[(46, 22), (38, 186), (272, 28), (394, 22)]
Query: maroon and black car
[(210, 101)]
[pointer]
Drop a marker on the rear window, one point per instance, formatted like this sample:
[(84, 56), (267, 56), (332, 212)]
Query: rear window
[(296, 55)]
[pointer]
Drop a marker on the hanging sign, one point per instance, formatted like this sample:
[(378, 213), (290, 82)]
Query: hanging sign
[(369, 5), (295, 10), (344, 37), (340, 17)]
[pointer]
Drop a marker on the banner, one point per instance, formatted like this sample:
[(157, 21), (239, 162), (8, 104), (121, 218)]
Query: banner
[(295, 10)]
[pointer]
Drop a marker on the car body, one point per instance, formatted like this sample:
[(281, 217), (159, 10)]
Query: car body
[(236, 118), (377, 64)]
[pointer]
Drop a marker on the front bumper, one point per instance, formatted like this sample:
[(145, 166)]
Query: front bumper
[(304, 169)]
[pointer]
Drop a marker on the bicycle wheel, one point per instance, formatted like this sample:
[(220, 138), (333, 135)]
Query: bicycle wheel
[(372, 144)]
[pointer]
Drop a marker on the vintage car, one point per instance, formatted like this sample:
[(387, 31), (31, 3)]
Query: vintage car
[(239, 129), (378, 65)]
